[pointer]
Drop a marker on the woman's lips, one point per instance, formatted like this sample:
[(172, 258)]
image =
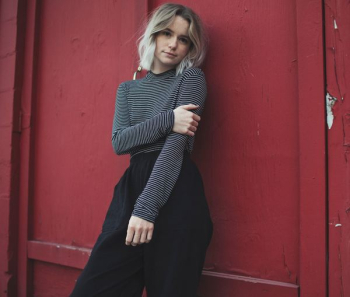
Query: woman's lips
[(171, 55)]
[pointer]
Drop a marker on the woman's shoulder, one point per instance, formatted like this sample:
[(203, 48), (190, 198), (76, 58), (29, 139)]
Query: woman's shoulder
[(193, 75), (193, 71), (127, 84)]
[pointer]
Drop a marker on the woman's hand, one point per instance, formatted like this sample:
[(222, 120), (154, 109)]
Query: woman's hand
[(139, 231), (186, 122)]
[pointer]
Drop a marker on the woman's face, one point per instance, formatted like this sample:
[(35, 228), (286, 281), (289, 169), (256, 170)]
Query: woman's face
[(172, 45)]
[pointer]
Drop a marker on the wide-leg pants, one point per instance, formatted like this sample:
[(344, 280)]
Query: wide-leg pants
[(170, 265)]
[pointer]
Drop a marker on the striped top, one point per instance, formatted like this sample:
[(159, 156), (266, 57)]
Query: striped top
[(143, 122)]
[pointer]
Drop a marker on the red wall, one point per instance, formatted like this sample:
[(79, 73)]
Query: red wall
[(261, 146)]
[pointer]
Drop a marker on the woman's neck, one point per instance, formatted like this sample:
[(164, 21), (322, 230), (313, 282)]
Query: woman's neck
[(158, 70)]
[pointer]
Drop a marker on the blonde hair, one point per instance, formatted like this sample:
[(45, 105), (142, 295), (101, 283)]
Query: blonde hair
[(160, 19)]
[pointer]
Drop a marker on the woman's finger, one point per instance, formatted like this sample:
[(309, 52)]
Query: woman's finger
[(149, 235), (196, 117), (143, 237), (194, 123), (192, 128), (189, 106), (129, 235), (136, 239)]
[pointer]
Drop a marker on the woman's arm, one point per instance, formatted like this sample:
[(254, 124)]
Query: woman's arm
[(126, 137), (169, 162)]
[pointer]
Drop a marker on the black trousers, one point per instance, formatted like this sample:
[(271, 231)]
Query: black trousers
[(170, 265)]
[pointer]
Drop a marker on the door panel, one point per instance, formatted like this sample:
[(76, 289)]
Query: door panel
[(248, 158), (84, 49)]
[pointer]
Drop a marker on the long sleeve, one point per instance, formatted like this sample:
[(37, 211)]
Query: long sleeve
[(125, 137), (168, 165)]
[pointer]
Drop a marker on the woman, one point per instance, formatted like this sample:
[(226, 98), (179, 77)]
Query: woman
[(158, 225)]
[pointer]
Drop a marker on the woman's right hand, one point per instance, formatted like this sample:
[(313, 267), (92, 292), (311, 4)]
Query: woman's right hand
[(186, 122)]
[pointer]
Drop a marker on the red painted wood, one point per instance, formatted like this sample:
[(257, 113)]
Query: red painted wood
[(27, 159), (250, 152), (312, 167), (55, 253), (228, 285), (337, 25), (11, 53), (260, 146), (53, 280)]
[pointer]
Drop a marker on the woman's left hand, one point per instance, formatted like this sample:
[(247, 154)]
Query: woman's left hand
[(139, 231)]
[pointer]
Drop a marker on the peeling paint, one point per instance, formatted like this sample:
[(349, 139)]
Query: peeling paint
[(338, 225), (330, 101), (346, 129), (336, 72), (335, 25)]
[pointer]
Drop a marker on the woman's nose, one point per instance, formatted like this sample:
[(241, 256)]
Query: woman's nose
[(173, 42)]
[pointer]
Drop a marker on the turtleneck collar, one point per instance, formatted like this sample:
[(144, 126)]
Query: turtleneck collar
[(162, 75)]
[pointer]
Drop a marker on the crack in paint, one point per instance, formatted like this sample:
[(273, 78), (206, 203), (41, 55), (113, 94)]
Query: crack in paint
[(285, 263), (336, 73), (336, 31), (346, 128), (341, 272), (9, 54), (346, 134), (339, 258)]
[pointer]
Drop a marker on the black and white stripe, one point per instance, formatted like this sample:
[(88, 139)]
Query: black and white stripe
[(143, 122)]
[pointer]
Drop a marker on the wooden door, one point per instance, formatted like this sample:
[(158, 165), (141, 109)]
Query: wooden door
[(260, 147), (80, 51)]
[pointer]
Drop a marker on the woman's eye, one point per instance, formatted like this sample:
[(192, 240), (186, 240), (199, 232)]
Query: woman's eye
[(184, 40), (166, 33)]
